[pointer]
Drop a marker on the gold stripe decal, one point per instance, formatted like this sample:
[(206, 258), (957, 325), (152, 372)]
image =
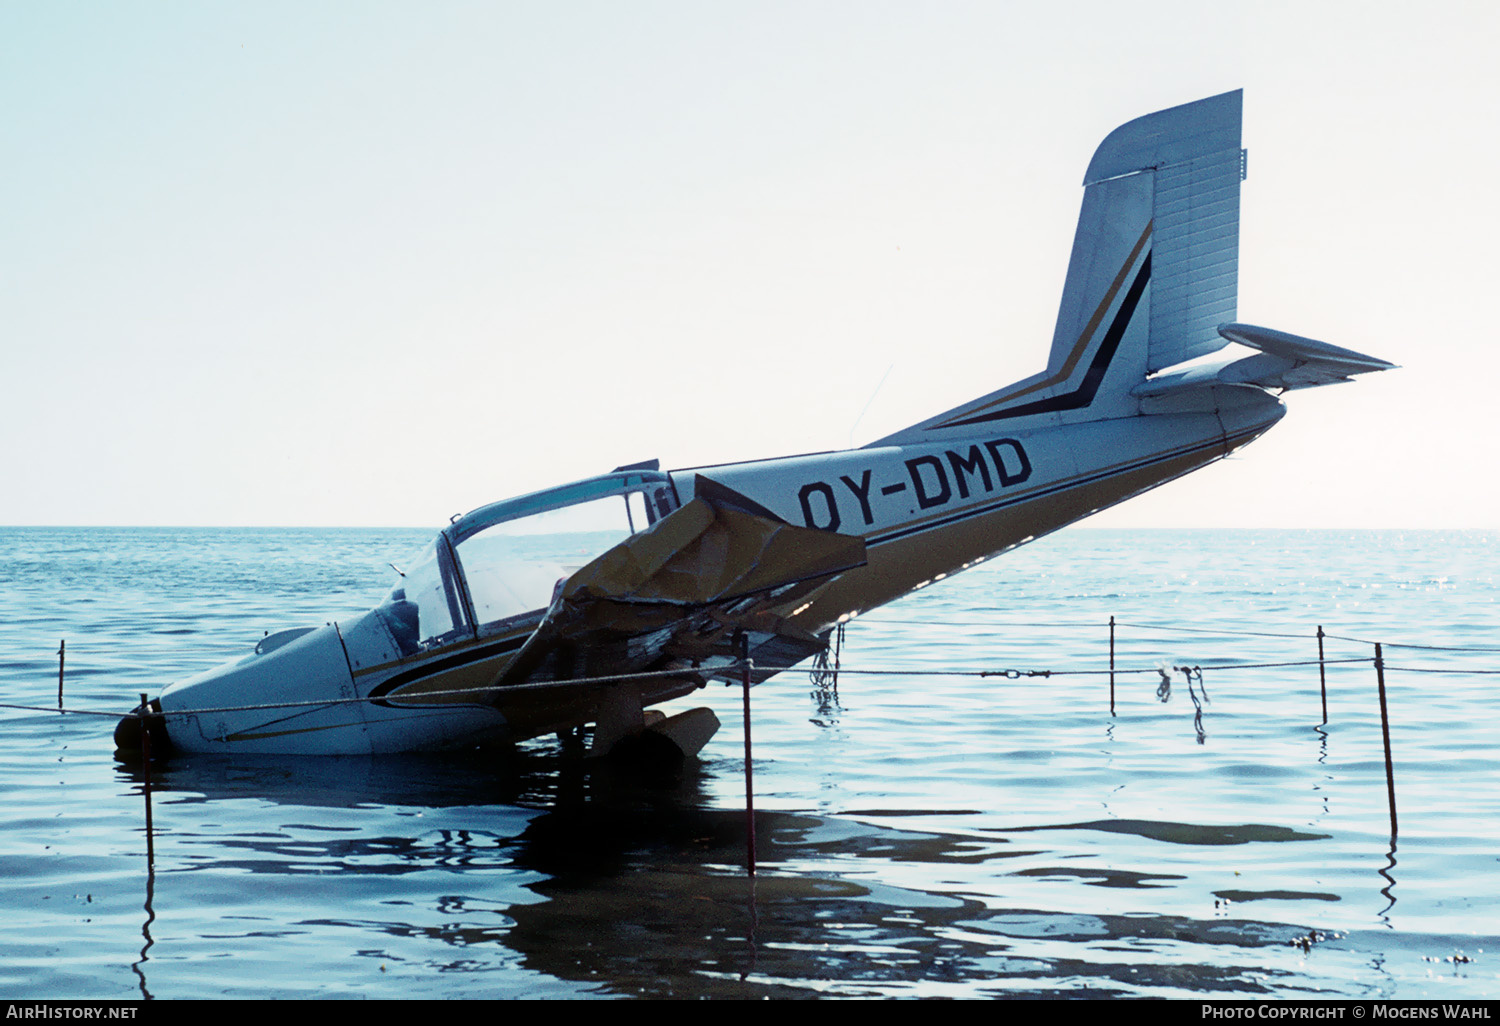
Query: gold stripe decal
[(1079, 347)]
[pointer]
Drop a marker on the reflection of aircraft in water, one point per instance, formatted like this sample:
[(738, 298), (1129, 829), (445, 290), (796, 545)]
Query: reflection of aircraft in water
[(493, 634), (625, 891)]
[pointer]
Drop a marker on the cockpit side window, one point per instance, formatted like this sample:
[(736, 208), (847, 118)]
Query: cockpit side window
[(662, 502)]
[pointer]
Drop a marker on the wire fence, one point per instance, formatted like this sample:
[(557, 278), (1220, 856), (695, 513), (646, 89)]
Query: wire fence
[(822, 671), (827, 668)]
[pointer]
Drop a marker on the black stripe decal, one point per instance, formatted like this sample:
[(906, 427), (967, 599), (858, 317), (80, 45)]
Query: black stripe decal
[(1083, 395), (474, 655)]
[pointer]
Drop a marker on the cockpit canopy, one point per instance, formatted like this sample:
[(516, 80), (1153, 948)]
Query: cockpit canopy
[(504, 561)]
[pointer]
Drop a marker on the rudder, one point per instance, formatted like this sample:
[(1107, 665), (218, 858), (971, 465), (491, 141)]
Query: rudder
[(1154, 268)]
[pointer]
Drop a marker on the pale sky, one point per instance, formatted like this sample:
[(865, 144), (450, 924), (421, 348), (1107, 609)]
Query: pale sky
[(378, 263)]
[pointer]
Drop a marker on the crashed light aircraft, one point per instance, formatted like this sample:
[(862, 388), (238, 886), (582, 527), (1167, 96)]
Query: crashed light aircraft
[(501, 630)]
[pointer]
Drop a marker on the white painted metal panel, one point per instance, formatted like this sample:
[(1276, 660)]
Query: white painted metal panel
[(1169, 137), (1194, 256)]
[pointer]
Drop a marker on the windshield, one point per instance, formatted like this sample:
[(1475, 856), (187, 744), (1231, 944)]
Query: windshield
[(515, 566), (423, 607), (507, 559)]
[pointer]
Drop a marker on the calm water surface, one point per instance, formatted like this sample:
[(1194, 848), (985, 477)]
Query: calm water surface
[(920, 834)]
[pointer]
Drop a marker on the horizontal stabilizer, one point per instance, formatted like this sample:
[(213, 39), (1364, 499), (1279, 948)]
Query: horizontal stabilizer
[(1285, 362), (1306, 350)]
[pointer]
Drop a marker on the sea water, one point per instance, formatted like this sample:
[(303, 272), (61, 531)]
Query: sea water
[(921, 829)]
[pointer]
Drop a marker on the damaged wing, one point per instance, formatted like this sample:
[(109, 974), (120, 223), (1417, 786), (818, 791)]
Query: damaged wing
[(679, 592)]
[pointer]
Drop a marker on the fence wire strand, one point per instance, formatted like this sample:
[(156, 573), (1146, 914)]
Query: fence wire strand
[(488, 693)]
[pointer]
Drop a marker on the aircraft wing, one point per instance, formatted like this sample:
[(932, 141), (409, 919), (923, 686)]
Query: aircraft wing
[(681, 590)]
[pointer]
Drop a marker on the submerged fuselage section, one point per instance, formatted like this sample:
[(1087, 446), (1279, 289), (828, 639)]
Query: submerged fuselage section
[(414, 672)]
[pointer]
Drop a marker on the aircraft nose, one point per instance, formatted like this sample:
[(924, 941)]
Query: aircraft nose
[(251, 701), (132, 731)]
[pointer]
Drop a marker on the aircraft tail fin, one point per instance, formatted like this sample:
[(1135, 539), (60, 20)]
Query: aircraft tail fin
[(1153, 273)]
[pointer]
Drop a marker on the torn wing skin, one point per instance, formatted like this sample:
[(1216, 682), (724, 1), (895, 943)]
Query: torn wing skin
[(679, 592)]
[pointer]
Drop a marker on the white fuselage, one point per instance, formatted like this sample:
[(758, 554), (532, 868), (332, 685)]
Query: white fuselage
[(925, 511)]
